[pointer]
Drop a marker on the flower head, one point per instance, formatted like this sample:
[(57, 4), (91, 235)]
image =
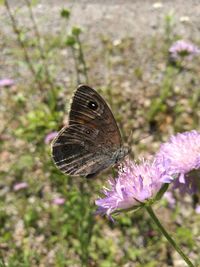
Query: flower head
[(20, 186), (135, 184), (197, 209), (182, 49), (49, 137), (180, 157), (58, 201), (6, 82)]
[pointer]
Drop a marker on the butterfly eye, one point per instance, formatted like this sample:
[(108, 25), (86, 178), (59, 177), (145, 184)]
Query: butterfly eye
[(93, 105)]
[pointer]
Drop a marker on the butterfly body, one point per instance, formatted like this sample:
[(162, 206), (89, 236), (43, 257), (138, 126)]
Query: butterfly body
[(92, 141)]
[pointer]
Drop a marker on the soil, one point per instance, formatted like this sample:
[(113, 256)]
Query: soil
[(117, 19)]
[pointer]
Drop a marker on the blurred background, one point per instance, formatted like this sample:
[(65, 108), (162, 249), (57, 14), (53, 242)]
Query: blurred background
[(128, 52)]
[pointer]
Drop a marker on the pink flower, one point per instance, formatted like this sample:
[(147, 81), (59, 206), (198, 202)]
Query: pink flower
[(20, 186), (170, 199), (58, 201), (181, 49), (180, 157), (134, 184), (49, 137), (6, 82), (197, 210)]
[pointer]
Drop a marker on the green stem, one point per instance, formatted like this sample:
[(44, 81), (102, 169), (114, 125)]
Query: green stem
[(82, 60), (76, 66), (22, 44), (39, 42), (167, 236)]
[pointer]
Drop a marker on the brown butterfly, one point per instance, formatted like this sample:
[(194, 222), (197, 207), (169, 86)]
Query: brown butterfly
[(92, 141)]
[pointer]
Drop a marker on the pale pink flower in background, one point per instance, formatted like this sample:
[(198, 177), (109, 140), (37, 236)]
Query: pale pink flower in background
[(197, 209), (170, 199), (58, 201), (49, 137), (20, 186), (180, 157), (6, 82), (183, 49), (135, 183)]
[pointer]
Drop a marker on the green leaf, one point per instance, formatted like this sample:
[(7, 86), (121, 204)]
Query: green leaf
[(25, 162), (161, 192)]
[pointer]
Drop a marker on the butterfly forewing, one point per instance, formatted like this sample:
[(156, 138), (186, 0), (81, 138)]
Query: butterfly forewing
[(89, 108)]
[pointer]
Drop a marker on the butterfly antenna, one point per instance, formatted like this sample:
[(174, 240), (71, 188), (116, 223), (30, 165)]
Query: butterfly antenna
[(129, 139), (153, 128)]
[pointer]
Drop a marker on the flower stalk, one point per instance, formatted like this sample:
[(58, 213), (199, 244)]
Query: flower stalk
[(167, 236)]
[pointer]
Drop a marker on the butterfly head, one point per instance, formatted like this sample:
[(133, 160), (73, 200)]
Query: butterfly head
[(121, 153)]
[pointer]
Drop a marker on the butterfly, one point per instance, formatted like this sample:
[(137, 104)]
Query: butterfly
[(92, 141)]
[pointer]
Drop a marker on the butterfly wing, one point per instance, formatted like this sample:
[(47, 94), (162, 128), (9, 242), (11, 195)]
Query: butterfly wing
[(88, 144)]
